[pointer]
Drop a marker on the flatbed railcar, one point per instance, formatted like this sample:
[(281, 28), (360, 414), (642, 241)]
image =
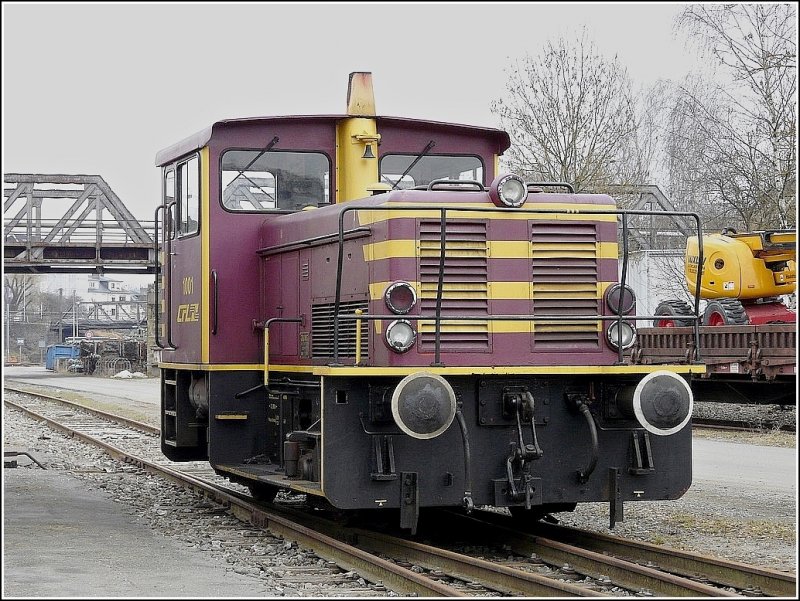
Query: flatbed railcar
[(363, 309)]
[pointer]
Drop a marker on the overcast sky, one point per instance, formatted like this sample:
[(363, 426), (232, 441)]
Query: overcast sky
[(100, 88)]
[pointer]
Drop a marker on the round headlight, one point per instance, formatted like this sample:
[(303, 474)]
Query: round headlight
[(628, 335), (508, 191), (400, 335), (617, 293), (424, 405), (400, 297)]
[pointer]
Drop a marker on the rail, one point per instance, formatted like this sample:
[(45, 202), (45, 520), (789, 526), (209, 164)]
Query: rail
[(612, 561), (437, 315)]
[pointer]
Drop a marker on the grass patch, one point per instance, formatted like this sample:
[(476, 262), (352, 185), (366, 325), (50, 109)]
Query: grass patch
[(750, 529), (771, 438)]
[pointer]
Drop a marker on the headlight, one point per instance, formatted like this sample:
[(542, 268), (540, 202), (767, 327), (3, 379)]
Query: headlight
[(508, 191), (400, 297), (400, 335), (613, 295), (628, 335)]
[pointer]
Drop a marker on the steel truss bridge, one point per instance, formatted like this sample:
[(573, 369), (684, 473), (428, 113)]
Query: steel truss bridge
[(93, 231)]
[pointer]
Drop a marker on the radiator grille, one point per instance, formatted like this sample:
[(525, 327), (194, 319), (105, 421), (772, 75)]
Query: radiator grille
[(465, 289), (564, 277), (322, 329)]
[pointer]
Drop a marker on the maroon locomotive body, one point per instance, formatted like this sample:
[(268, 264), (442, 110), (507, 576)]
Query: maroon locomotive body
[(363, 309)]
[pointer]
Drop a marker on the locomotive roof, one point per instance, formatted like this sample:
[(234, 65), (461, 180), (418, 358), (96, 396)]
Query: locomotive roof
[(201, 138)]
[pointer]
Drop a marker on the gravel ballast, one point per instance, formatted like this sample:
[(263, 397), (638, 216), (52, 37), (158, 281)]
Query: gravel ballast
[(752, 526)]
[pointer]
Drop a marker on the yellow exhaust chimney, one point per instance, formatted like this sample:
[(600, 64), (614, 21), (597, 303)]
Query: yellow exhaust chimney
[(357, 141)]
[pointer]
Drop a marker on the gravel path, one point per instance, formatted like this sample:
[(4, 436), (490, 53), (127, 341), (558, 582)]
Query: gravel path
[(276, 565)]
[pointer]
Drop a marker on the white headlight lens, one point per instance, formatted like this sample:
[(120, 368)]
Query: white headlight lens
[(400, 297), (400, 335), (628, 335), (513, 191), (508, 191)]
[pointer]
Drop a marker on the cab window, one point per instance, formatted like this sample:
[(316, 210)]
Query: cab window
[(258, 181), (402, 172), (188, 197), (169, 198)]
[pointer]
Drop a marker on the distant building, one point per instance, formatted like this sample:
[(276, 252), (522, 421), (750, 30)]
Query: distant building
[(108, 299)]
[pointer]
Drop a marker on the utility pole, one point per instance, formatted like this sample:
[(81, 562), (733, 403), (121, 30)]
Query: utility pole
[(74, 317), (7, 311), (8, 331), (61, 314)]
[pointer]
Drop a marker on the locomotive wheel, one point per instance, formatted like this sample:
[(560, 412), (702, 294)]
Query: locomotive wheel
[(264, 493), (671, 309), (724, 312)]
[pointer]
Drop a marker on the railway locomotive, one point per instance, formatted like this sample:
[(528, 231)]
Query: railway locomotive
[(363, 309)]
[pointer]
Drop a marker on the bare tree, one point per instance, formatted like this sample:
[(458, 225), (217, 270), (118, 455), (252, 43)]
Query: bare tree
[(733, 148), (572, 117), (19, 293)]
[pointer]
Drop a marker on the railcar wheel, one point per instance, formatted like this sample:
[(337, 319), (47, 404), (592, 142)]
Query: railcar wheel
[(671, 310), (264, 493), (724, 312)]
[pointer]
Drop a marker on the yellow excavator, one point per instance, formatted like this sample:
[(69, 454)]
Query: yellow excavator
[(742, 277)]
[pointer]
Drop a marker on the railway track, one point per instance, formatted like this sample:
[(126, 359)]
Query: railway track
[(558, 544), (564, 563)]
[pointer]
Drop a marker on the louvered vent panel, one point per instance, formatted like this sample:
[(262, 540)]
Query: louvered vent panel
[(322, 330), (564, 276), (464, 290)]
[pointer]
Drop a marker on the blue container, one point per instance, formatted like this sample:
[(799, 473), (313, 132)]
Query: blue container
[(57, 351)]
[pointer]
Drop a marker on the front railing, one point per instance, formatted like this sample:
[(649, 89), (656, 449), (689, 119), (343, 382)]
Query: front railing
[(475, 212)]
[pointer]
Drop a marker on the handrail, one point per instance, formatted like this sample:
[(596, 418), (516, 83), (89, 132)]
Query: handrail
[(215, 301), (168, 256), (265, 325), (622, 277), (437, 361), (455, 183), (158, 273), (531, 210), (566, 185)]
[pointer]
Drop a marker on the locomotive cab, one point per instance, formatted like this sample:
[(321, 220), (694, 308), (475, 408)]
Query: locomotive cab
[(362, 309)]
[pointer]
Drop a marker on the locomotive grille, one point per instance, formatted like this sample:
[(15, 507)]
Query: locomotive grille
[(464, 289), (564, 276), (322, 329)]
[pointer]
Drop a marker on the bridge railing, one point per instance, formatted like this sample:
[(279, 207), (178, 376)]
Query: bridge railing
[(93, 229)]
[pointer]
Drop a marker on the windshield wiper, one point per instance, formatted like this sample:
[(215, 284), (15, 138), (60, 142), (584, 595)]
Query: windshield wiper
[(425, 151), (264, 150)]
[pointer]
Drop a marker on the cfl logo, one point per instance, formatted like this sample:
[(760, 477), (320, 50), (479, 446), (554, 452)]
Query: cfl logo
[(188, 313)]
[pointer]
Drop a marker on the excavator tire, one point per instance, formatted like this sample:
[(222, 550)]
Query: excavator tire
[(724, 312), (671, 309)]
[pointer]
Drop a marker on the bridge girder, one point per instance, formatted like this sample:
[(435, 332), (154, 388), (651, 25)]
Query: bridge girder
[(82, 239)]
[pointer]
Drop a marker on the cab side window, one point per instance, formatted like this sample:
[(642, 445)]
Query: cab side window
[(169, 198), (188, 197)]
